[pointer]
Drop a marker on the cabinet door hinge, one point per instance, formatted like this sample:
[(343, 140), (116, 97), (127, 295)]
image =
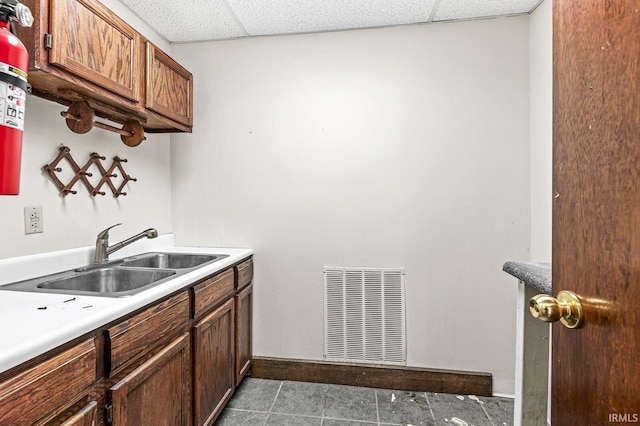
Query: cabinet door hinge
[(48, 41), (108, 413)]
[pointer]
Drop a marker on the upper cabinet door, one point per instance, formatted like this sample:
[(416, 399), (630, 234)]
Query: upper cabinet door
[(169, 87), (92, 42)]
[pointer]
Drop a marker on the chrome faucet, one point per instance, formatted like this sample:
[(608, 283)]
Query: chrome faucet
[(103, 250)]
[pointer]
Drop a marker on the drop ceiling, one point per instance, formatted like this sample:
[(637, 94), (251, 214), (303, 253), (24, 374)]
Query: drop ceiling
[(201, 20)]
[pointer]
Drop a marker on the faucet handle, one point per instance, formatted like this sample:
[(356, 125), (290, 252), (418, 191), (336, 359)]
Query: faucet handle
[(105, 233)]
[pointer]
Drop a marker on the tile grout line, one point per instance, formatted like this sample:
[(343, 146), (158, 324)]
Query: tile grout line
[(433, 416), (486, 414), (246, 410), (309, 416), (276, 398), (324, 405), (377, 407), (273, 403), (367, 422)]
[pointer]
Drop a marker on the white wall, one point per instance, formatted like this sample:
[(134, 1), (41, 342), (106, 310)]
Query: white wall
[(75, 220), (541, 71), (404, 146)]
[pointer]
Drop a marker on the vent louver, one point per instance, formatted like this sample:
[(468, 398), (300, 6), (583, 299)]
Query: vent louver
[(364, 315)]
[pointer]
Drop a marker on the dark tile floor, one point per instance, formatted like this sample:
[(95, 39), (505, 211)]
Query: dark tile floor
[(282, 403)]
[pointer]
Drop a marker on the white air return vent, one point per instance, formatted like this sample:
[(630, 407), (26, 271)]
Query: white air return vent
[(364, 315)]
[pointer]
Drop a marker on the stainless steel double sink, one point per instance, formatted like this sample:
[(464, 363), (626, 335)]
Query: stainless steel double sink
[(118, 278)]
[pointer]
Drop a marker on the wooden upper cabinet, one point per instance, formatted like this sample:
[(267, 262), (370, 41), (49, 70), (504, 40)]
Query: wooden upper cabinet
[(90, 41), (169, 87), (81, 50)]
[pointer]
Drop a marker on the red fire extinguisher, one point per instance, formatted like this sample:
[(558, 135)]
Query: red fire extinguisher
[(14, 62)]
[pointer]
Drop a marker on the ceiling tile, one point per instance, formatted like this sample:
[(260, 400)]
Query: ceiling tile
[(199, 20), (195, 20), (469, 9), (302, 16)]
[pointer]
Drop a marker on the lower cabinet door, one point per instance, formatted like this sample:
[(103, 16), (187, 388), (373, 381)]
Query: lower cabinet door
[(36, 394), (85, 417), (244, 308), (157, 392), (213, 360)]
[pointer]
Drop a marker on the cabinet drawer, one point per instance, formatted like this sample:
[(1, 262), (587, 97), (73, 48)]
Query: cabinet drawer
[(245, 273), (212, 291), (132, 337), (87, 416), (46, 387)]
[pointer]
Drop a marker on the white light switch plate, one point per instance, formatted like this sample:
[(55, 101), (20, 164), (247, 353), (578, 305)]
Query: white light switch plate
[(33, 220)]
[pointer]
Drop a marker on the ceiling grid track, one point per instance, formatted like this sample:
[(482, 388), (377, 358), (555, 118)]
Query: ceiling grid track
[(433, 10), (235, 18)]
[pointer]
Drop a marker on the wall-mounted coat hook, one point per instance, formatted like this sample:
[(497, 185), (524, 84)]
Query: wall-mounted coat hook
[(81, 173), (80, 119)]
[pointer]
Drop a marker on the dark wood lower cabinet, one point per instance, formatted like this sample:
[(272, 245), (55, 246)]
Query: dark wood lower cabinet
[(244, 300), (39, 393), (87, 416), (158, 392), (213, 361), (175, 362)]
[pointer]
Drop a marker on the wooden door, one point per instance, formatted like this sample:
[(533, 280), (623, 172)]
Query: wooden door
[(92, 42), (244, 308), (213, 358), (596, 210), (158, 392)]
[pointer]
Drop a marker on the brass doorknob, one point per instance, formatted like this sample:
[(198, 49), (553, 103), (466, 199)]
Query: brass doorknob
[(566, 308)]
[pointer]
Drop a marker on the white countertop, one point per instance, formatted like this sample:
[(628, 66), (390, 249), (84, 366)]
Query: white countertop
[(28, 330)]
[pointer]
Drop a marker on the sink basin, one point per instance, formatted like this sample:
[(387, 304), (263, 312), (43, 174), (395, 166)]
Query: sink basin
[(171, 260), (107, 280), (118, 278)]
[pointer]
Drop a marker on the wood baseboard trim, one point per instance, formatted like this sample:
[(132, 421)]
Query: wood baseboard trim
[(386, 377)]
